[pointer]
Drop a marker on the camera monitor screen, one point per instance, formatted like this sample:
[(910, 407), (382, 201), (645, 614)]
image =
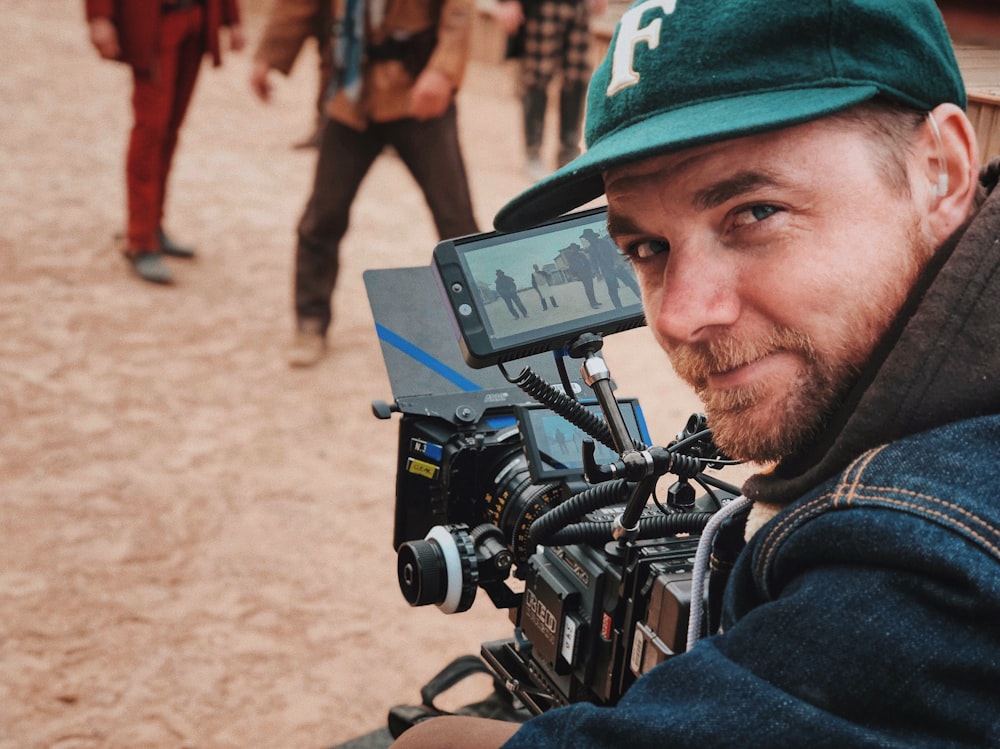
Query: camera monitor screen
[(553, 446), (528, 292)]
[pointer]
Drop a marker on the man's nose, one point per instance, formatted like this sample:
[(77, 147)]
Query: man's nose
[(698, 295)]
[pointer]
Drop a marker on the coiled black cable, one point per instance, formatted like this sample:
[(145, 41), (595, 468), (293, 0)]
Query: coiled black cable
[(571, 410), (559, 525), (656, 526), (685, 466), (574, 508)]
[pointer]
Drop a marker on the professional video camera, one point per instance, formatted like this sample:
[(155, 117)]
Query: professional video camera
[(541, 496)]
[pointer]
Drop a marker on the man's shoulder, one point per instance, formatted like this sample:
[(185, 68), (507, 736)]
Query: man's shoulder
[(955, 457), (959, 454), (940, 483)]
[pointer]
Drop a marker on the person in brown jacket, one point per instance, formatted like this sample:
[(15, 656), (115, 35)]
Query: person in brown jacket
[(397, 65), (164, 43)]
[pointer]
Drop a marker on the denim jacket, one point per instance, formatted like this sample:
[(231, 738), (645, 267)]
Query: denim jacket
[(866, 612)]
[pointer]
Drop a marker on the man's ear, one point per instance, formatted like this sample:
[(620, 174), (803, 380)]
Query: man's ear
[(949, 161)]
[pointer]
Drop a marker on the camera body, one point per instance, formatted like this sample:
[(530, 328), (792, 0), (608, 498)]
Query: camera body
[(528, 491), (591, 621), (588, 617)]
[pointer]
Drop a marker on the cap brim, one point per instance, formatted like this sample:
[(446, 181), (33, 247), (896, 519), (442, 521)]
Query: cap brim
[(582, 180)]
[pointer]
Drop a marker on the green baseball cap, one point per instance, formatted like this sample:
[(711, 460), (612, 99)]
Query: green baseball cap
[(681, 73)]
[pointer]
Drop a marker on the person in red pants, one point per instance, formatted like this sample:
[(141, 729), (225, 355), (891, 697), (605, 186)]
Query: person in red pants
[(164, 43)]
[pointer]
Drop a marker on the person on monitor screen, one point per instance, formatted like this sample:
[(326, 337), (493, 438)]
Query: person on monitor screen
[(610, 263), (541, 282), (507, 289), (582, 270), (799, 189)]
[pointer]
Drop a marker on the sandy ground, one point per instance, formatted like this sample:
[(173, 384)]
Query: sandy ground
[(196, 539)]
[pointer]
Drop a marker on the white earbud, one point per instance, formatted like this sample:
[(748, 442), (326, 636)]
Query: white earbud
[(941, 188)]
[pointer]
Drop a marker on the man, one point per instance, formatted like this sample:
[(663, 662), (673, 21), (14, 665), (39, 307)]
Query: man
[(582, 271), (798, 188), (611, 263), (552, 37), (397, 67), (541, 282), (507, 289), (164, 43)]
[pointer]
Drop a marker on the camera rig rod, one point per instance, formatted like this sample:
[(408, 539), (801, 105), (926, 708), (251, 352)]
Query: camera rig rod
[(596, 374), (626, 525)]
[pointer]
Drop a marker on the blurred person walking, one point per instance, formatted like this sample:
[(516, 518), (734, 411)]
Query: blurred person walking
[(164, 43), (550, 37), (397, 65)]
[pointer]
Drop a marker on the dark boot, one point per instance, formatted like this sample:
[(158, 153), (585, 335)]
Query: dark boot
[(149, 266), (571, 100), (169, 247)]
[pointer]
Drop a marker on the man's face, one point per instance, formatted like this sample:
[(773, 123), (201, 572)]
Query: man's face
[(769, 267)]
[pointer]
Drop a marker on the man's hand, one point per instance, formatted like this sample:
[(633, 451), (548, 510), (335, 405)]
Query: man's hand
[(237, 39), (509, 15), (259, 82), (104, 37), (431, 94)]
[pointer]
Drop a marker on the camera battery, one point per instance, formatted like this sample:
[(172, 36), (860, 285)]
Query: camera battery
[(547, 604), (664, 633)]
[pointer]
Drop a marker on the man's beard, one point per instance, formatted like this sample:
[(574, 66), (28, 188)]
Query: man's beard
[(743, 426)]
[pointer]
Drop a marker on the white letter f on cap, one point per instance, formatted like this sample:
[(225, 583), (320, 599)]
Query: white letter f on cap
[(630, 34)]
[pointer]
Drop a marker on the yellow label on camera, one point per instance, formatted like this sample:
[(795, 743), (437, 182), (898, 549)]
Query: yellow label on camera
[(421, 468)]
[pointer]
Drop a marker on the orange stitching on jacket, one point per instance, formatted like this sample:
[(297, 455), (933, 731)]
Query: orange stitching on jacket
[(772, 542)]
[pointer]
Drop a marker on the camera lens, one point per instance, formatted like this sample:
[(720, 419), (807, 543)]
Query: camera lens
[(422, 573), (440, 569), (515, 502)]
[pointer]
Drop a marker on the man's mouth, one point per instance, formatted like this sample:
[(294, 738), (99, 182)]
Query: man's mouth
[(748, 373)]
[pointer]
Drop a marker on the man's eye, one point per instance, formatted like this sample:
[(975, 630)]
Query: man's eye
[(754, 213), (649, 248)]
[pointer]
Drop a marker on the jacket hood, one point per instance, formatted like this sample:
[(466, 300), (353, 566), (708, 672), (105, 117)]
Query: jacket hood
[(938, 363)]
